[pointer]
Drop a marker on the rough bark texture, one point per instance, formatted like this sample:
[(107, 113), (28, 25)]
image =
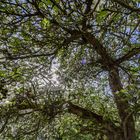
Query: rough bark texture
[(127, 131), (127, 121)]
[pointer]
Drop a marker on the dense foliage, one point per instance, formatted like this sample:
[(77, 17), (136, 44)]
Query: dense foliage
[(69, 69)]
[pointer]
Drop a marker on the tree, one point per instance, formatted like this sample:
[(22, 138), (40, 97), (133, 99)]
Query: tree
[(91, 46)]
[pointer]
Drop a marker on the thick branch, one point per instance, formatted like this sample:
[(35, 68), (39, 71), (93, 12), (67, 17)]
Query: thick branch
[(74, 109), (123, 4), (84, 113), (106, 59), (115, 82), (87, 11), (55, 108), (122, 105), (87, 114), (127, 56)]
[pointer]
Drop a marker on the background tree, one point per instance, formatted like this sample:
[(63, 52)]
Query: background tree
[(70, 57)]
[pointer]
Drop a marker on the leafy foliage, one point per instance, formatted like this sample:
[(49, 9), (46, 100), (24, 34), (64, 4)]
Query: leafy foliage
[(69, 69)]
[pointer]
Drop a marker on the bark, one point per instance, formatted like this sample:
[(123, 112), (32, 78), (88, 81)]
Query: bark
[(128, 55), (127, 6), (127, 121), (84, 113), (110, 129), (127, 131)]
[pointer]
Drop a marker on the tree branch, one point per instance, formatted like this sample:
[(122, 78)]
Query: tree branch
[(106, 60), (84, 113), (127, 56), (87, 114), (17, 14), (5, 123), (57, 107), (123, 4), (14, 57)]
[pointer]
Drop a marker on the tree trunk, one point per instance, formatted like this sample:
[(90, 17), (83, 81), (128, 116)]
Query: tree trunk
[(116, 136), (127, 121)]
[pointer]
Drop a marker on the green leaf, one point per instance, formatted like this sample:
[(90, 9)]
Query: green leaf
[(101, 16), (45, 23)]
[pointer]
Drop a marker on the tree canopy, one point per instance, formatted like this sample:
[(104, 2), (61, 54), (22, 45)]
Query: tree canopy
[(69, 69)]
